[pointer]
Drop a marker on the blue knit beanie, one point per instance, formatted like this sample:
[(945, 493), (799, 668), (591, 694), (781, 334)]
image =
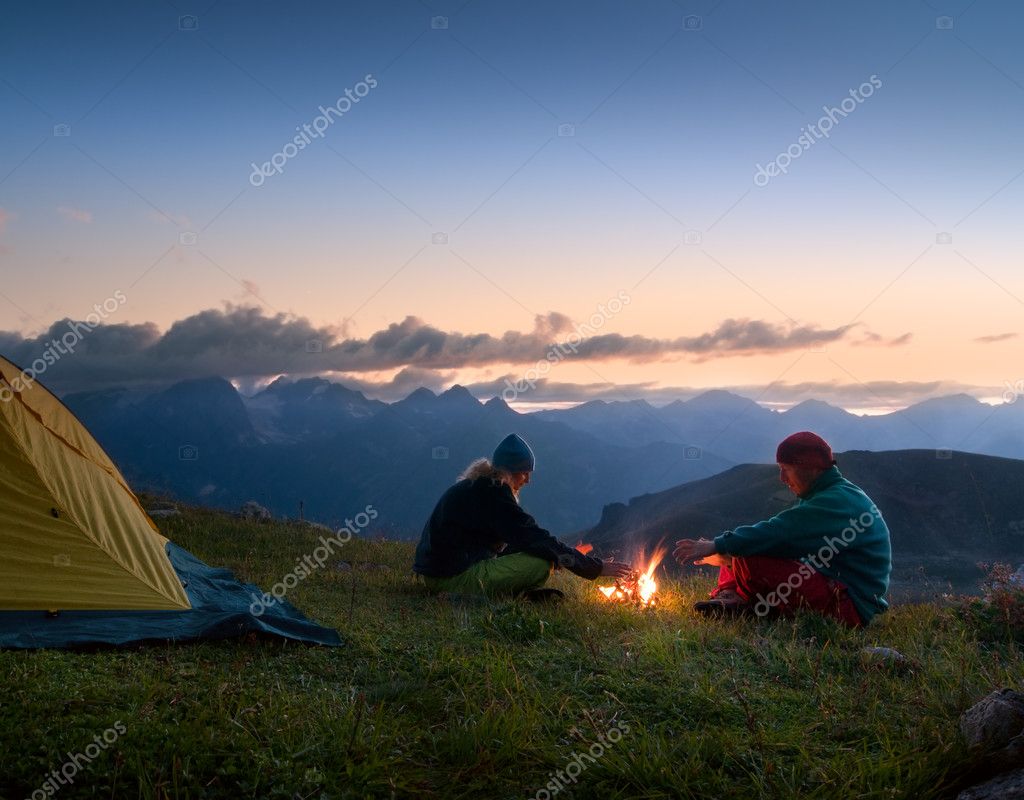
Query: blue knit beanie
[(513, 455)]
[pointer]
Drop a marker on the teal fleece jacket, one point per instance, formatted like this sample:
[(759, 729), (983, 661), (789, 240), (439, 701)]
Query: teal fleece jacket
[(835, 528)]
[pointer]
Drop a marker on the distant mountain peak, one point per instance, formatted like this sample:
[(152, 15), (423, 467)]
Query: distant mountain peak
[(497, 403), (285, 388), (458, 393), (959, 399), (718, 397), (716, 402), (419, 397), (813, 403), (278, 383), (213, 385), (949, 403)]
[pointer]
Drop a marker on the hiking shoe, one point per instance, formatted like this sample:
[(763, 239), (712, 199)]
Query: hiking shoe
[(733, 607), (543, 595)]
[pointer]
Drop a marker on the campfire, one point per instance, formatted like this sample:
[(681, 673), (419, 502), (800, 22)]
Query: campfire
[(640, 588)]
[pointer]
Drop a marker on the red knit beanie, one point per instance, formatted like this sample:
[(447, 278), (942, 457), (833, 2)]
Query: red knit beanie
[(805, 449)]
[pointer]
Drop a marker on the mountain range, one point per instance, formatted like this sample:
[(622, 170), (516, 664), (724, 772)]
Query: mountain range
[(335, 451), (740, 430), (328, 450)]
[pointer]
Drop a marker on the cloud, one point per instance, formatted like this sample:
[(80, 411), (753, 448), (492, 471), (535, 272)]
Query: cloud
[(413, 341), (244, 342), (870, 338), (996, 337), (75, 214), (732, 337)]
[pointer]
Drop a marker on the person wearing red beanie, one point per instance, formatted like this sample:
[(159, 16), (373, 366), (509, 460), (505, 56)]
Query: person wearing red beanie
[(805, 449), (829, 553)]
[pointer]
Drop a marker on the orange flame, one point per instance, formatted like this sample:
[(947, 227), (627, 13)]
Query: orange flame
[(646, 586), (643, 589), (583, 547)]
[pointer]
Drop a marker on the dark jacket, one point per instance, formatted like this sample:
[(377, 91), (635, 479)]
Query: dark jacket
[(481, 519)]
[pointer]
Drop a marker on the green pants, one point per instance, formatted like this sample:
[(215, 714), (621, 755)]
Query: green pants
[(504, 575)]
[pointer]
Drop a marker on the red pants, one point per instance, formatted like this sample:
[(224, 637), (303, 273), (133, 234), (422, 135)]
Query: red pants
[(782, 586)]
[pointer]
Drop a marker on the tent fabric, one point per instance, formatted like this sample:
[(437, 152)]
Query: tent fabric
[(72, 534), (81, 563), (220, 609)]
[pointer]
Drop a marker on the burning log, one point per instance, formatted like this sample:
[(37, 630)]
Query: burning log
[(640, 588)]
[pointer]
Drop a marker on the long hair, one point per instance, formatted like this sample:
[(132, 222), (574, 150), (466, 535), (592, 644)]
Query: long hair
[(483, 468)]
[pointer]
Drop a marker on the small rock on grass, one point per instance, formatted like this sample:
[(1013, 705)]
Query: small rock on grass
[(252, 510), (1009, 786), (884, 658), (995, 724)]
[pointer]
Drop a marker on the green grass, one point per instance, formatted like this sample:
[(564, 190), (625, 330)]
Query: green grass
[(435, 699)]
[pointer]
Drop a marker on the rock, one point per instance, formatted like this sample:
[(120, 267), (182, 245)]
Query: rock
[(884, 657), (254, 511), (995, 724), (1009, 786)]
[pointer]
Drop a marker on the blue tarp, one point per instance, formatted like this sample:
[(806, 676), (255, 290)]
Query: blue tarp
[(220, 610)]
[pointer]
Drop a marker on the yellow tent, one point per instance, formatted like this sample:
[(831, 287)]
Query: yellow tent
[(72, 534)]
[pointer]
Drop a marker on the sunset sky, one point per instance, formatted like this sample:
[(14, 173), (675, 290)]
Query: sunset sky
[(497, 174)]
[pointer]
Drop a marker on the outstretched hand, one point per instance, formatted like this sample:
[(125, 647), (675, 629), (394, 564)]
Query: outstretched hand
[(616, 569), (693, 550)]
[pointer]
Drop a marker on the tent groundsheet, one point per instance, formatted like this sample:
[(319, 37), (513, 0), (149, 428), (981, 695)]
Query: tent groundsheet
[(220, 610)]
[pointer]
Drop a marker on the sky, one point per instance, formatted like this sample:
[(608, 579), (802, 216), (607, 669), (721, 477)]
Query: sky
[(550, 202)]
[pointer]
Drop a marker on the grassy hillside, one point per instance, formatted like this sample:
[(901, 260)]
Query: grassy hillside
[(434, 699)]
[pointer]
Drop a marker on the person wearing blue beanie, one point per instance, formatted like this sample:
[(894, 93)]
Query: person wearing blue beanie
[(514, 455), (479, 540)]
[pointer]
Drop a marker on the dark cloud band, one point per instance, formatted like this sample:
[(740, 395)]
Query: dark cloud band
[(242, 342)]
